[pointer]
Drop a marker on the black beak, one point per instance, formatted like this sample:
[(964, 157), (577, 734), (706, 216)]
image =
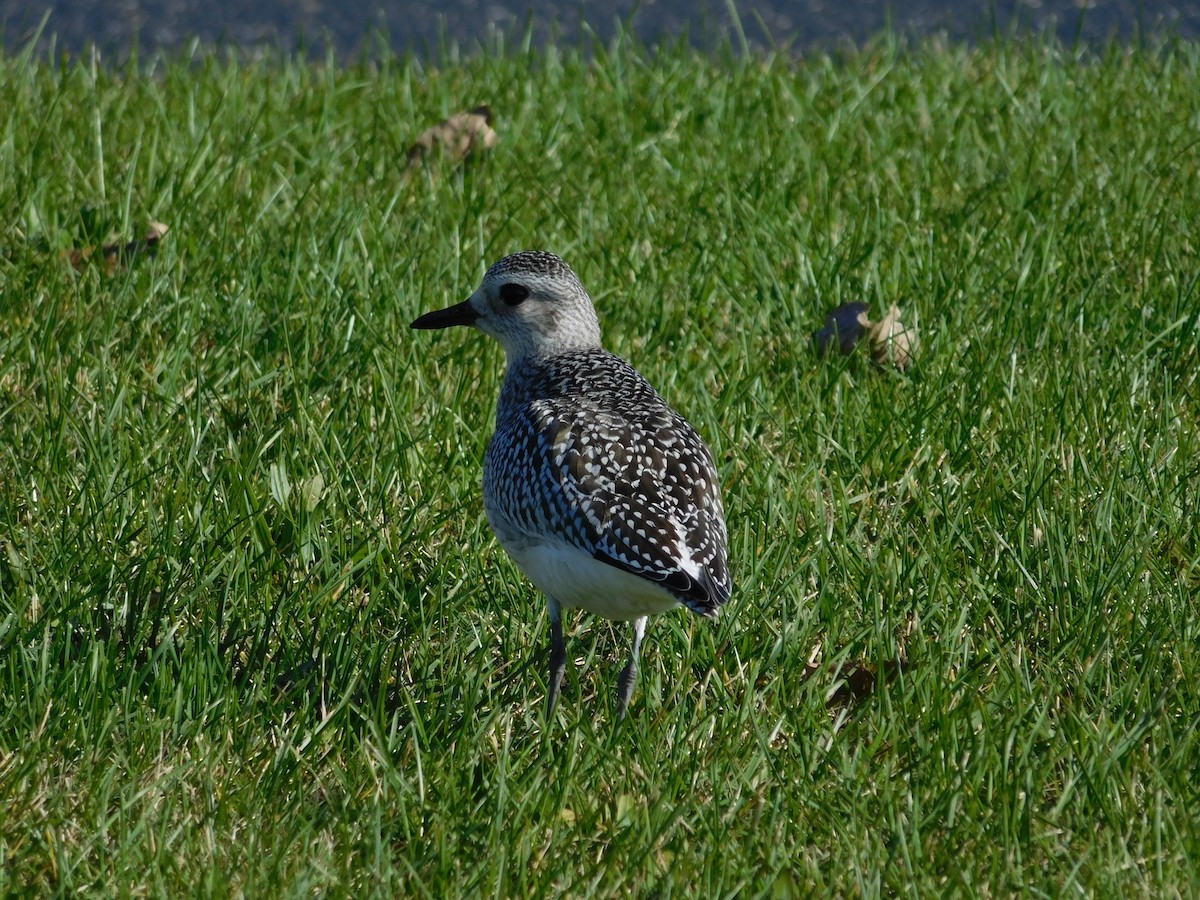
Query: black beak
[(459, 314)]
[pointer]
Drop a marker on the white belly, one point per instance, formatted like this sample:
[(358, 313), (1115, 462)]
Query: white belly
[(575, 579)]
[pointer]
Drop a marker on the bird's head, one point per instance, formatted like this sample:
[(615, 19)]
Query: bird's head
[(531, 302)]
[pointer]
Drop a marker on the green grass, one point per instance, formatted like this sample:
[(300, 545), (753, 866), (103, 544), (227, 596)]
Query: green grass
[(256, 638)]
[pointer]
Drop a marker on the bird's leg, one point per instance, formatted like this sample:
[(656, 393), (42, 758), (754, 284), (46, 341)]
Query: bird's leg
[(558, 655), (630, 673)]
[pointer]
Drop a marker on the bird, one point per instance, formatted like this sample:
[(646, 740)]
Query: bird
[(605, 498)]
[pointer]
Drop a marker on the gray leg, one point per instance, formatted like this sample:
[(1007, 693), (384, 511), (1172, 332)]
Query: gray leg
[(630, 673), (558, 655)]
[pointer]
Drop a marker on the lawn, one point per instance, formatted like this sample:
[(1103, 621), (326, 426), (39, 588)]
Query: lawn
[(255, 635)]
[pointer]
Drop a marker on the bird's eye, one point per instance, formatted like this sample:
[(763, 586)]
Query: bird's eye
[(513, 294)]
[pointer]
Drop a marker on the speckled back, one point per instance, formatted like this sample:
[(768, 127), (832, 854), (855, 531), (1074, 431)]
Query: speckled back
[(586, 451)]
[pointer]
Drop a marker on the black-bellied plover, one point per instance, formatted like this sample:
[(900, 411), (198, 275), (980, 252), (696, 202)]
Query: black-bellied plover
[(606, 498)]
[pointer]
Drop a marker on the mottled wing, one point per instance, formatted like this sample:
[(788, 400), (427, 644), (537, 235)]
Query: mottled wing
[(646, 494)]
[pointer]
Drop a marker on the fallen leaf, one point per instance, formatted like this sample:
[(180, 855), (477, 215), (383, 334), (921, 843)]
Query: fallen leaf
[(892, 341), (312, 491), (844, 325), (118, 254), (859, 679), (458, 137)]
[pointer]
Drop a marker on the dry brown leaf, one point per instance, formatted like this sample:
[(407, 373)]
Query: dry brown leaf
[(844, 325), (892, 341), (458, 137), (853, 680), (116, 254), (859, 679)]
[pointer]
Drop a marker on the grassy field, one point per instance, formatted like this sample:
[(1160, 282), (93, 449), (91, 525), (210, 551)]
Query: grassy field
[(256, 638)]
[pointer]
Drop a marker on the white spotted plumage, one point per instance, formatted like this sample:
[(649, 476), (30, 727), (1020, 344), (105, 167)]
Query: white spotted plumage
[(606, 498)]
